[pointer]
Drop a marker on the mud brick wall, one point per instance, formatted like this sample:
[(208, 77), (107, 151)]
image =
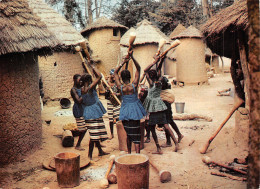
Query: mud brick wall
[(57, 73), (20, 115), (105, 47)]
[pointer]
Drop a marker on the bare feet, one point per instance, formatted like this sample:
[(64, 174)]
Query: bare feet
[(103, 153), (179, 138), (158, 152), (166, 145), (147, 140), (176, 147), (79, 148)]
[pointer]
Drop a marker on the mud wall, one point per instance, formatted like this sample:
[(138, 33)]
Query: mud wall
[(144, 55), (191, 61), (170, 67), (20, 116), (215, 64), (57, 73), (105, 47)]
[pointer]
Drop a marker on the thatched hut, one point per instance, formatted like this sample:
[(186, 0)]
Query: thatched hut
[(146, 43), (57, 70), (104, 36), (170, 65), (191, 57), (226, 34), (23, 37)]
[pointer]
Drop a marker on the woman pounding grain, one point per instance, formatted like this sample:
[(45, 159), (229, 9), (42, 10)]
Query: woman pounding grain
[(93, 112), (132, 109), (78, 110), (154, 104)]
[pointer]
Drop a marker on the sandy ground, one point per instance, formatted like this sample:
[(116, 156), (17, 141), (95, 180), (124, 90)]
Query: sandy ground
[(186, 167)]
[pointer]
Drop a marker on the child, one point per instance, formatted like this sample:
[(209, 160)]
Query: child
[(93, 112), (154, 104), (132, 109)]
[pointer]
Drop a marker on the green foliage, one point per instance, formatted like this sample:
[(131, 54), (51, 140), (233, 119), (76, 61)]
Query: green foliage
[(129, 13), (185, 12)]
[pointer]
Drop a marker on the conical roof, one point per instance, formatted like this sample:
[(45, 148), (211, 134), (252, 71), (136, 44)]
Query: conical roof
[(102, 22), (180, 28), (190, 32), (21, 30), (145, 33), (57, 24)]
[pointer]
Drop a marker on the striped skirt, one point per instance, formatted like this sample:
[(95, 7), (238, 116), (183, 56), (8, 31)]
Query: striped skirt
[(133, 131), (97, 129), (112, 111), (81, 124)]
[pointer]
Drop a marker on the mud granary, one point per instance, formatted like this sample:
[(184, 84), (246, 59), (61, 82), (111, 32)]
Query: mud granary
[(104, 36), (23, 38)]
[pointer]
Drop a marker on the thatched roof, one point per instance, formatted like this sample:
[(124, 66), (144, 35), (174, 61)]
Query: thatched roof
[(221, 30), (235, 14), (190, 32), (21, 30), (180, 28), (58, 25), (100, 23), (146, 33)]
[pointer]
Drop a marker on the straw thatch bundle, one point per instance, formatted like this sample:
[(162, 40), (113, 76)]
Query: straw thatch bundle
[(190, 32), (100, 23), (59, 26), (21, 30), (234, 15), (222, 30), (180, 28), (146, 33)]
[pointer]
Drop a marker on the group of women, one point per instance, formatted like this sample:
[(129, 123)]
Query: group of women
[(88, 110)]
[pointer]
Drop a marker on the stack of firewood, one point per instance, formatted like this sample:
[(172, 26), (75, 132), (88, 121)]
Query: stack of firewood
[(236, 170)]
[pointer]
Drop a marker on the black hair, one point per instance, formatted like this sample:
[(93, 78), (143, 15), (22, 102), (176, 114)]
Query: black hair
[(86, 78), (153, 75), (125, 75), (76, 76), (165, 84)]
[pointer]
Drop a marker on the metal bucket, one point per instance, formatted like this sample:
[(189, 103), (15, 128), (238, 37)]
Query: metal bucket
[(132, 171), (179, 107)]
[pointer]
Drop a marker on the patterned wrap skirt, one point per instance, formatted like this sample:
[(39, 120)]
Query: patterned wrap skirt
[(133, 131), (81, 124), (97, 129), (113, 111)]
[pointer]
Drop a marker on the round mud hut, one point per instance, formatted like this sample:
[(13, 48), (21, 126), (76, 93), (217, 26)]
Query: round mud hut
[(57, 70), (146, 43), (23, 38), (191, 67), (104, 37), (170, 64)]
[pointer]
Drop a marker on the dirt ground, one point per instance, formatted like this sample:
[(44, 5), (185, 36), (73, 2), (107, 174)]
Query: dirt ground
[(186, 167)]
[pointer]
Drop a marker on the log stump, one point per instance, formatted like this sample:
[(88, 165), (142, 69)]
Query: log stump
[(67, 169)]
